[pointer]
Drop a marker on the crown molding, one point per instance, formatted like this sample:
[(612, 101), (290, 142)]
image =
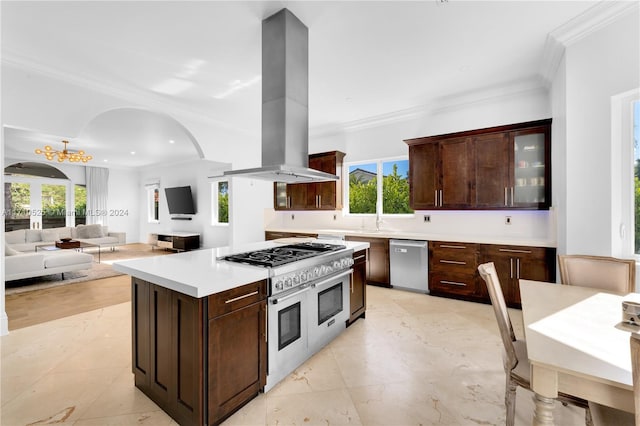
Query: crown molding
[(590, 21), (458, 101), (129, 94)]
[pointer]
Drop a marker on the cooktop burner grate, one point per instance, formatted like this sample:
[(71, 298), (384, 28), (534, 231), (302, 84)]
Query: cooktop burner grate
[(277, 256)]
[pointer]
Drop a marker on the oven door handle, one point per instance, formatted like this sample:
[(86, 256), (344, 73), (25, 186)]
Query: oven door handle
[(289, 296), (333, 278)]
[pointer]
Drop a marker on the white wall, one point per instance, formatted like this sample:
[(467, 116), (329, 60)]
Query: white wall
[(194, 174), (598, 67)]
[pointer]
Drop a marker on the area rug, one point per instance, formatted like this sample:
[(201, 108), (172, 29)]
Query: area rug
[(97, 271)]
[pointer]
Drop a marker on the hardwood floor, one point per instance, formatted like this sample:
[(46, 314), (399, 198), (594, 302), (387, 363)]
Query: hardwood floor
[(38, 306)]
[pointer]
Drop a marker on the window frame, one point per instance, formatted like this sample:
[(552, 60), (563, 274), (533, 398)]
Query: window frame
[(379, 187), (215, 201), (150, 190)]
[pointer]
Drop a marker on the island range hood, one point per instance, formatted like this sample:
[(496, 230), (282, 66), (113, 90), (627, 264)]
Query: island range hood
[(285, 98)]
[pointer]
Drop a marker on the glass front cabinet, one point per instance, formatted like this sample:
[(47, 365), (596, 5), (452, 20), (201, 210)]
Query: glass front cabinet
[(531, 169)]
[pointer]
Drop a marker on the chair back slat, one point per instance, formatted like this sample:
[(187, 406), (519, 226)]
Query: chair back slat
[(490, 276), (607, 273)]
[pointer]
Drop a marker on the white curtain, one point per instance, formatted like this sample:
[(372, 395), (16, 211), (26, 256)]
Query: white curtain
[(97, 179)]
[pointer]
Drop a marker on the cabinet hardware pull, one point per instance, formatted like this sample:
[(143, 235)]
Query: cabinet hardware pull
[(303, 288), (512, 196), (266, 324), (518, 268), (435, 198), (333, 279), (359, 257), (453, 283), (235, 299), (511, 267), (455, 262), (441, 198), (515, 251), (453, 247), (506, 197)]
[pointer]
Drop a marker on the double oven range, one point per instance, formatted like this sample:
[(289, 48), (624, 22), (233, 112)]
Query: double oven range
[(308, 304)]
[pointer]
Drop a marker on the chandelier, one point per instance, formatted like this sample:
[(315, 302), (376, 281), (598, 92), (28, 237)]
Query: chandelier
[(65, 154)]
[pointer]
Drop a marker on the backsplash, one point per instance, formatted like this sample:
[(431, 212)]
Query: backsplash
[(535, 224)]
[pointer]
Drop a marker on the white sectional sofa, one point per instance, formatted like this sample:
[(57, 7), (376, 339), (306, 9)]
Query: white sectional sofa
[(19, 265), (25, 240)]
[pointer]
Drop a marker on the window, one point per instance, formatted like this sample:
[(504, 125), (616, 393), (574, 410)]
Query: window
[(80, 197), (54, 202), (380, 187), (153, 202), (220, 201)]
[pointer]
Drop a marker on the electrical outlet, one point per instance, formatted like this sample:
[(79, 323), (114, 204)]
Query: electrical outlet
[(292, 216), (427, 218), (335, 217), (507, 220)]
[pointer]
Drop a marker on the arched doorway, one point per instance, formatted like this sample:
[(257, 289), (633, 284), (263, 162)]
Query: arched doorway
[(40, 196)]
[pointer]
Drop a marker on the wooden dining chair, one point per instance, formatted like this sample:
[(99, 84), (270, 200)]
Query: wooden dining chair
[(515, 358), (605, 416), (607, 273)]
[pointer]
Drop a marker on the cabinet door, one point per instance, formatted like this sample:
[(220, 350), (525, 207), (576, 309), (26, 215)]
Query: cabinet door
[(358, 296), (378, 265), (325, 195), (531, 168), (161, 349), (456, 173), (298, 193), (492, 167), (237, 359), (140, 332), (423, 176)]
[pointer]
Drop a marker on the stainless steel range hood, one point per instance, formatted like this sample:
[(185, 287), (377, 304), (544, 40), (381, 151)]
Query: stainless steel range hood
[(285, 98)]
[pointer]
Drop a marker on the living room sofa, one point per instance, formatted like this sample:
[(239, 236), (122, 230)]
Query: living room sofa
[(19, 265), (26, 240)]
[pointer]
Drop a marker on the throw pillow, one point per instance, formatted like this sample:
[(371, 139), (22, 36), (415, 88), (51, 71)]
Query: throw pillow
[(8, 251), (49, 235), (33, 235), (95, 231), (15, 237)]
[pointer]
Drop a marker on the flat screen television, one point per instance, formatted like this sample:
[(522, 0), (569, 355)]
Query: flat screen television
[(180, 200)]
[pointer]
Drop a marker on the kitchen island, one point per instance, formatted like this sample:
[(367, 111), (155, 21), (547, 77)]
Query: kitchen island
[(199, 330)]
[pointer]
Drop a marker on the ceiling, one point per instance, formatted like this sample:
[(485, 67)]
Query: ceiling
[(367, 59)]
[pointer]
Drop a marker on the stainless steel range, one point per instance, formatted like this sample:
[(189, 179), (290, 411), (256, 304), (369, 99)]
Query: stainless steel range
[(308, 300)]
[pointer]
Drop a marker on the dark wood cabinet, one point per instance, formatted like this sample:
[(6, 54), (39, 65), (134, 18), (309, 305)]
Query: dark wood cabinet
[(358, 296), (378, 265), (313, 196), (190, 353), (505, 167), (453, 269), (168, 350), (237, 353), (519, 262)]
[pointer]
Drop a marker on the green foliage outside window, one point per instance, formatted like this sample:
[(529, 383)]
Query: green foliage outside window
[(223, 202), (395, 193)]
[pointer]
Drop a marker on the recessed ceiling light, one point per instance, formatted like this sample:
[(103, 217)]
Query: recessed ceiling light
[(105, 160), (172, 141), (133, 153)]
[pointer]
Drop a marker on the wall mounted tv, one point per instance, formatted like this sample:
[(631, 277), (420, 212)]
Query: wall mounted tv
[(180, 200)]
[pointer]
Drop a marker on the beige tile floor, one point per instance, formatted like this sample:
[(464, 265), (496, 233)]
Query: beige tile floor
[(415, 360)]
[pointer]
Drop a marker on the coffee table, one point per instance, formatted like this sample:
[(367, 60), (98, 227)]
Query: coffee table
[(53, 247)]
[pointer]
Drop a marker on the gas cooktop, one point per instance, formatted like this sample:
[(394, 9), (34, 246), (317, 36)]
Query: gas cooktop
[(282, 255)]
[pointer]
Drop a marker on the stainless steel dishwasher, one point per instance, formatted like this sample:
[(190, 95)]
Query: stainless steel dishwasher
[(409, 264)]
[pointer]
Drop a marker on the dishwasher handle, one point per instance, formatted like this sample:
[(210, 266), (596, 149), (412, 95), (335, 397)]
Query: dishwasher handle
[(407, 243)]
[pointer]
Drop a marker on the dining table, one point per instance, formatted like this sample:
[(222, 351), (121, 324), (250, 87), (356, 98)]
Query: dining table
[(577, 344)]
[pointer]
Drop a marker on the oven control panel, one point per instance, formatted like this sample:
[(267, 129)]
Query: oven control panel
[(311, 273)]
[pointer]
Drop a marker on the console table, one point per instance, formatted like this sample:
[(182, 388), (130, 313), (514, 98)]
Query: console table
[(178, 241)]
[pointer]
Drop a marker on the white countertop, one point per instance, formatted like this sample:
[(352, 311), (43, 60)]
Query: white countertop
[(514, 241), (199, 273)]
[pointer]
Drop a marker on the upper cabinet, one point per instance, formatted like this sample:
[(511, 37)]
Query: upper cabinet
[(506, 167), (313, 196)]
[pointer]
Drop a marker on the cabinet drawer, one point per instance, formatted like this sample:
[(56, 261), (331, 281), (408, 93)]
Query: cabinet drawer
[(454, 257), (515, 251), (165, 244), (236, 298), (454, 283)]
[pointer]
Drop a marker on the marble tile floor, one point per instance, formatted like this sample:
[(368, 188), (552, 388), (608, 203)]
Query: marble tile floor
[(414, 360)]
